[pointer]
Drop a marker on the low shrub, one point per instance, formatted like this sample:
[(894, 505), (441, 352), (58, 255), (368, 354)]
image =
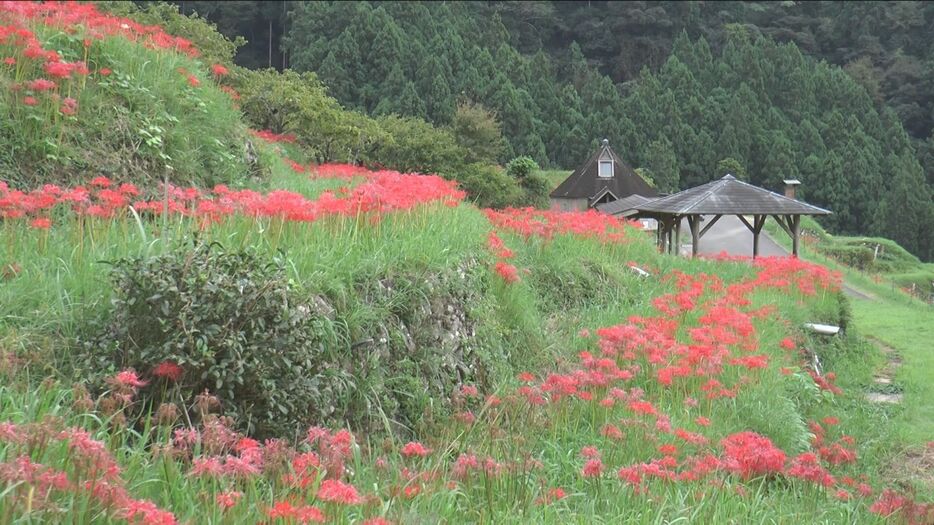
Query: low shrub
[(489, 186), (227, 322)]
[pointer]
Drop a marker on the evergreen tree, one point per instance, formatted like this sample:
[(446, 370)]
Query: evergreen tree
[(663, 165)]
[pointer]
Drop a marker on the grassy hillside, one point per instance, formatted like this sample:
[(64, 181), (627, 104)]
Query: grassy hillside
[(879, 259), (331, 343)]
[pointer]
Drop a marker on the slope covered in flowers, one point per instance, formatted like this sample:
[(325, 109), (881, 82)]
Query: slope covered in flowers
[(652, 409), (85, 93), (492, 366)]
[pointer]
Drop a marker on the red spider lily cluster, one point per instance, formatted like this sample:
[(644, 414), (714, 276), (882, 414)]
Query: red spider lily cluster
[(381, 192), (530, 222), (24, 54), (504, 269), (70, 15), (274, 138), (92, 473)]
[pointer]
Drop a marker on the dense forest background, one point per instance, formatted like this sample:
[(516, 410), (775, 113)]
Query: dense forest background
[(838, 95)]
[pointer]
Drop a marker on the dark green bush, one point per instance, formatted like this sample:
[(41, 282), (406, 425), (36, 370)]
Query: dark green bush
[(234, 323), (409, 144), (536, 189), (855, 256), (489, 186), (521, 167)]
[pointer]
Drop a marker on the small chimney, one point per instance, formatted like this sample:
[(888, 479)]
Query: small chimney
[(790, 186), (606, 143)]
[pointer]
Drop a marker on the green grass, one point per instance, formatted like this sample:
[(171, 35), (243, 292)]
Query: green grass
[(889, 316), (571, 284), (908, 328), (554, 177)]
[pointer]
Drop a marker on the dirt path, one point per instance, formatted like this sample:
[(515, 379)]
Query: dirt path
[(884, 389)]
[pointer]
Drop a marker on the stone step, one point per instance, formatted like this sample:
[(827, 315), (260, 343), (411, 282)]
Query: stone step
[(876, 397)]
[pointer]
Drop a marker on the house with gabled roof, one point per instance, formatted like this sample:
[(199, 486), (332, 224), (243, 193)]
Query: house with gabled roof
[(602, 179)]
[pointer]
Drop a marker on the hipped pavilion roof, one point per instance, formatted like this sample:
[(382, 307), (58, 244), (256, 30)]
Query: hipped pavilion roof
[(726, 196), (729, 196)]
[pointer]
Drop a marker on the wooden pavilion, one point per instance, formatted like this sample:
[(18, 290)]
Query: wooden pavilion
[(726, 196)]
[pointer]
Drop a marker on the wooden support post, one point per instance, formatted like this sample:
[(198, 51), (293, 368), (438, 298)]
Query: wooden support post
[(677, 245), (671, 234), (758, 222), (710, 224), (795, 233), (784, 222), (694, 223), (663, 234)]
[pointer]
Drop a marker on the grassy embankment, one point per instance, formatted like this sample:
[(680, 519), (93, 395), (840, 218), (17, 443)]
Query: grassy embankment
[(883, 311), (683, 395)]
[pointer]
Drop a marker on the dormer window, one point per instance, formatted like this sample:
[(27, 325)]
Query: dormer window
[(606, 169)]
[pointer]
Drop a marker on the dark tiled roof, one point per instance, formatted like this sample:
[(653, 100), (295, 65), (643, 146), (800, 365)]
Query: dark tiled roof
[(728, 196), (585, 182), (625, 206)]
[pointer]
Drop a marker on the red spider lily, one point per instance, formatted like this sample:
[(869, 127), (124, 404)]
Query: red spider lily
[(231, 92), (415, 449), (193, 81), (642, 407), (593, 468), (41, 223), (69, 15), (383, 192), (69, 106), (806, 466), (129, 379), (749, 454), (65, 69), (508, 272), (301, 513), (219, 70), (40, 84), (146, 512), (206, 466), (590, 452), (269, 136), (469, 391), (889, 503), (545, 224), (464, 465), (334, 491), (837, 454), (168, 370), (229, 499), (104, 71), (30, 101), (553, 494), (10, 61), (376, 521), (611, 431)]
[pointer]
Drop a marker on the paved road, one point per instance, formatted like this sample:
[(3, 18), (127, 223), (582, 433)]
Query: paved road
[(732, 236), (729, 234)]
